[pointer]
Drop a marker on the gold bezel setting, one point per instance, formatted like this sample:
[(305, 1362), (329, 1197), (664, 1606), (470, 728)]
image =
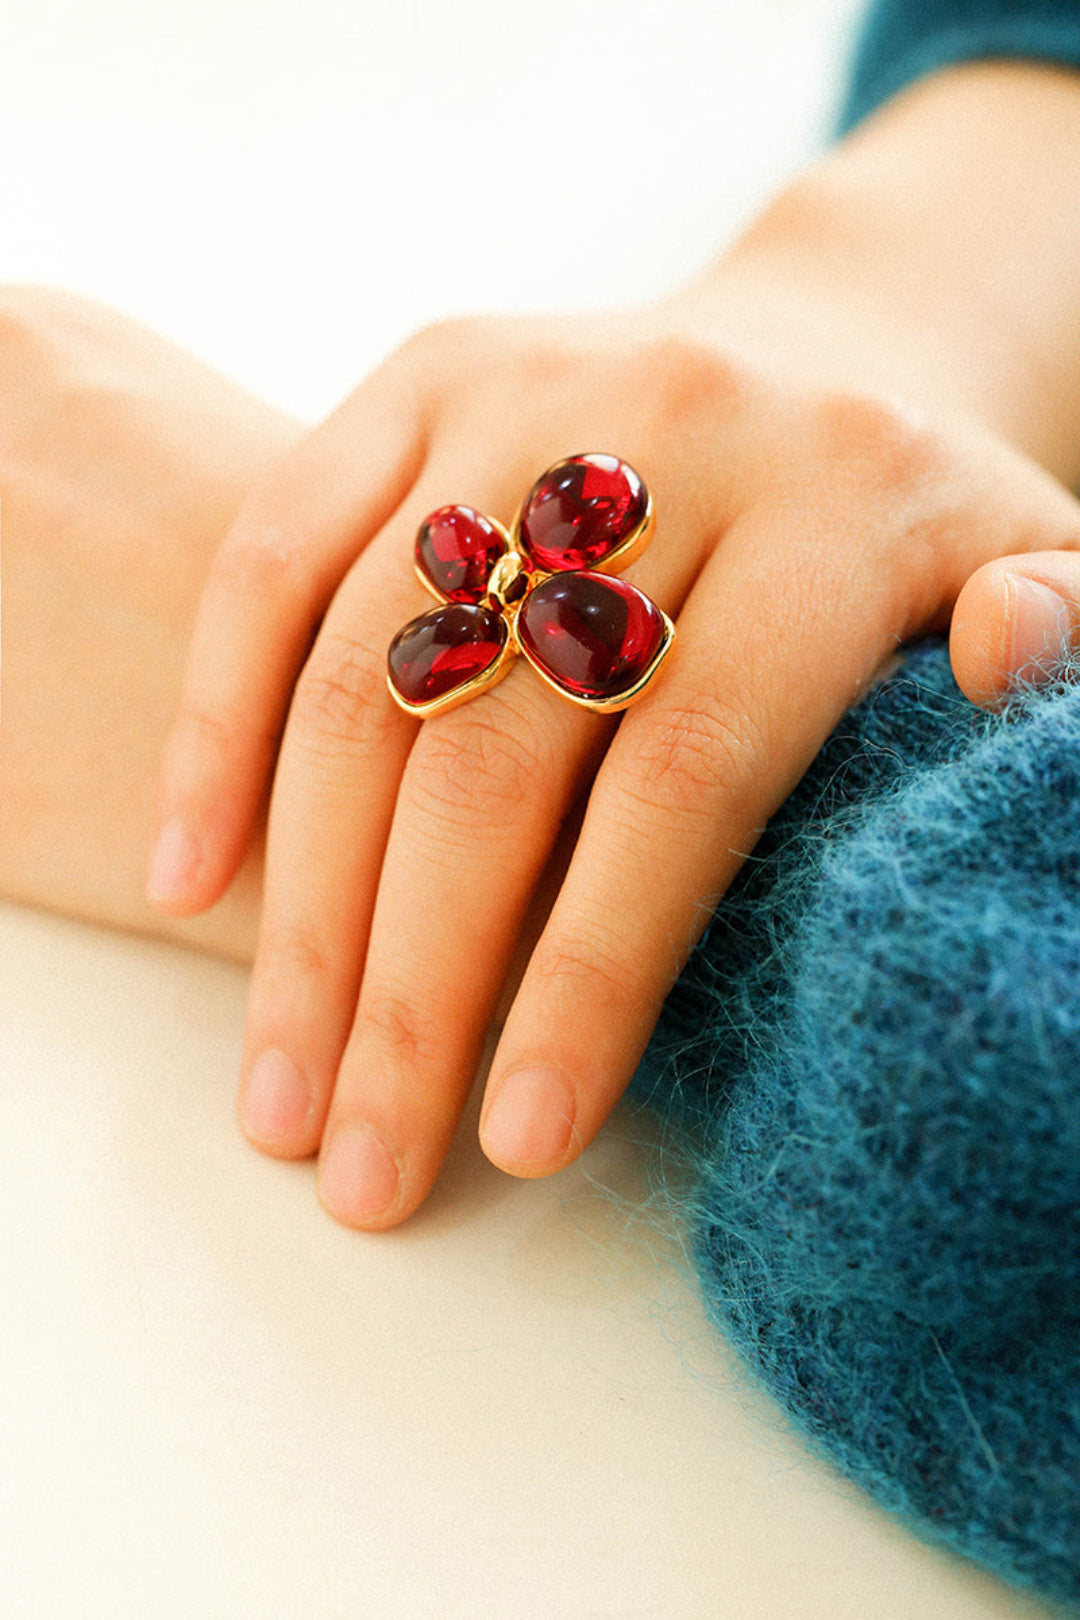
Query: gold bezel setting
[(613, 705), (504, 596)]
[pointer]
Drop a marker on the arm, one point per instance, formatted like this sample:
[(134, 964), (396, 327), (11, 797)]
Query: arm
[(936, 252), (933, 255)]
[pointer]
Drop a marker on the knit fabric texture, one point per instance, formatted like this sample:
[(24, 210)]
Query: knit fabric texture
[(875, 1054)]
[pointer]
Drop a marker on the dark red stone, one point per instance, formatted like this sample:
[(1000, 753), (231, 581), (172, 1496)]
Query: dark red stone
[(444, 649), (456, 549), (593, 635), (581, 511)]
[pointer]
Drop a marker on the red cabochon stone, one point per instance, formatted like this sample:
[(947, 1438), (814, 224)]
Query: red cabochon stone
[(456, 549), (442, 650), (593, 635), (579, 512)]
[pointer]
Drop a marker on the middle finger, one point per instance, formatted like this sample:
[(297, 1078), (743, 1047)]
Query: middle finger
[(481, 801)]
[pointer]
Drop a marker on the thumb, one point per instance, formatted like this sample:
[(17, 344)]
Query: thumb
[(1016, 620)]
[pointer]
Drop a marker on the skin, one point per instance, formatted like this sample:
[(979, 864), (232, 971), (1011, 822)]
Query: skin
[(122, 462), (859, 422)]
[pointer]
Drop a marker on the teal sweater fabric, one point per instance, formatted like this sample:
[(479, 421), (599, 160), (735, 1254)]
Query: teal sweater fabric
[(874, 1055)]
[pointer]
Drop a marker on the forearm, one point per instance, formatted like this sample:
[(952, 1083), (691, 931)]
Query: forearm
[(933, 254)]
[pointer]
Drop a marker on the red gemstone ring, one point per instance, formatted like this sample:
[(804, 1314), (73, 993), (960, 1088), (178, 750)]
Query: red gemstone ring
[(542, 589)]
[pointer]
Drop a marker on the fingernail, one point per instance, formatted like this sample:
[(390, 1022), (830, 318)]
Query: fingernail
[(530, 1119), (173, 865), (1041, 629), (358, 1178), (276, 1099)]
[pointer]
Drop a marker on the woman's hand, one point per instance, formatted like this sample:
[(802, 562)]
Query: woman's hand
[(807, 525), (122, 460)]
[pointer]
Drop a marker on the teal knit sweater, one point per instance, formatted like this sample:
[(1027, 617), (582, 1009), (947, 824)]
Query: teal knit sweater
[(875, 1056)]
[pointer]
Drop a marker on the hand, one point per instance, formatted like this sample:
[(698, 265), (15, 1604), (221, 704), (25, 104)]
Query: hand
[(807, 525), (122, 461)]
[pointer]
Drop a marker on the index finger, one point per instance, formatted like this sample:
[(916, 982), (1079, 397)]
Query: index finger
[(269, 586)]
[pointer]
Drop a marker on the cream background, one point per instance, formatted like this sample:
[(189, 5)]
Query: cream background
[(213, 1401)]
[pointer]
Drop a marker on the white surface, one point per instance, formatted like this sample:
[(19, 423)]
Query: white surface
[(213, 1401), (292, 187)]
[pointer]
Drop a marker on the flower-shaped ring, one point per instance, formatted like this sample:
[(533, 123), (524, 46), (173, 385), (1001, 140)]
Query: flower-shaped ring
[(543, 589)]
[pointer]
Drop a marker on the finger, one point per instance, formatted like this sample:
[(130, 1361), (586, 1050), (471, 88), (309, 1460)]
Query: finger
[(687, 786), (1016, 621), (342, 754), (337, 781), (269, 585), (480, 803), (483, 798), (785, 629)]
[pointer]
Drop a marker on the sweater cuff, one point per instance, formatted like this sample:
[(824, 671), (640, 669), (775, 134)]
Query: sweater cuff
[(903, 40)]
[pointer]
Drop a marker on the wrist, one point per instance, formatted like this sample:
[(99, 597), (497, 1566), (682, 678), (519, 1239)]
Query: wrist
[(935, 255)]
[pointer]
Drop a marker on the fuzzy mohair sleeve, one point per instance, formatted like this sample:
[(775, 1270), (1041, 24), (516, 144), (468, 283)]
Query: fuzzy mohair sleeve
[(873, 1057)]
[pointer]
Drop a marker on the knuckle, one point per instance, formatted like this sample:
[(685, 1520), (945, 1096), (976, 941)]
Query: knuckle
[(891, 486), (206, 731), (694, 756), (292, 953), (256, 561), (396, 1025), (226, 747), (452, 340), (688, 381), (451, 364), (887, 449), (29, 313), (494, 354), (341, 693), (473, 762), (446, 333), (48, 341), (583, 965), (19, 316), (87, 351)]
